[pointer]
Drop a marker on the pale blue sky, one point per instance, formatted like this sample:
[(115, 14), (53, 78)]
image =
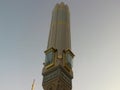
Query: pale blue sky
[(95, 31)]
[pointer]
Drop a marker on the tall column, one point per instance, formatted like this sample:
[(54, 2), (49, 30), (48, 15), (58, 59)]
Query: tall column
[(57, 70), (59, 36)]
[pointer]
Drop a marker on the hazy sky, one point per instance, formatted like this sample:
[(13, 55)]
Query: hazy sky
[(95, 31)]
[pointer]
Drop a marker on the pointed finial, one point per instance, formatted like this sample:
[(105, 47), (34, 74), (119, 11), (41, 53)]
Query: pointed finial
[(62, 3), (33, 85)]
